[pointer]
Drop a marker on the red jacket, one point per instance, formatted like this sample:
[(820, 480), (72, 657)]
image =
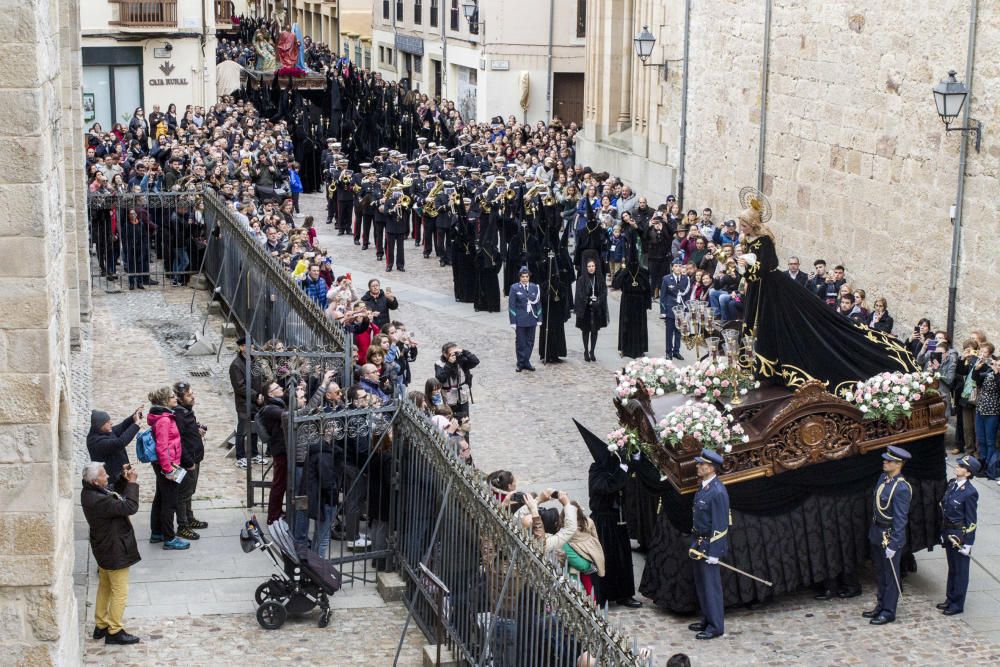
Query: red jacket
[(363, 341), (168, 438)]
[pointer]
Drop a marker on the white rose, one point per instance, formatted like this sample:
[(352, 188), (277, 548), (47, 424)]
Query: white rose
[(659, 392), (624, 402), (863, 408), (612, 448), (906, 405), (745, 438), (728, 448)]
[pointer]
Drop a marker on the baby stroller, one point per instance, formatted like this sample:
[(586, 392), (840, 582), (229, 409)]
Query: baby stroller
[(306, 579)]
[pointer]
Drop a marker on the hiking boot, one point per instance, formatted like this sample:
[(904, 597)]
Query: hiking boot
[(197, 525), (187, 533)]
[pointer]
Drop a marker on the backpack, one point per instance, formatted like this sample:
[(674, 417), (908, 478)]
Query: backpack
[(969, 389), (145, 447)]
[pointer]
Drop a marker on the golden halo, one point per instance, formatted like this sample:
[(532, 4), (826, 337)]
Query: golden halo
[(751, 197)]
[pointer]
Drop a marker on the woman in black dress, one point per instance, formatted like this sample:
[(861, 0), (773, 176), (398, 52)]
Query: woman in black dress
[(591, 307), (797, 337)]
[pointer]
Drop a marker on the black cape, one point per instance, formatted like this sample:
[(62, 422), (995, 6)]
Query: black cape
[(633, 336), (606, 485), (799, 338)]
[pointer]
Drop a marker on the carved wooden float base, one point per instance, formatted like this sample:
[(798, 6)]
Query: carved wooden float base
[(787, 430)]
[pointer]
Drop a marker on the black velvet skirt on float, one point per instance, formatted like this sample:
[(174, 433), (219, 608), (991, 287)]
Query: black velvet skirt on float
[(795, 529), (799, 338)]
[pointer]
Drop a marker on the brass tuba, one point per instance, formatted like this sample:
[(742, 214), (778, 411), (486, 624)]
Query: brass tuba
[(430, 210)]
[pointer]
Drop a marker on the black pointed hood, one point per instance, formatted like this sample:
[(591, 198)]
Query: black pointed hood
[(598, 448)]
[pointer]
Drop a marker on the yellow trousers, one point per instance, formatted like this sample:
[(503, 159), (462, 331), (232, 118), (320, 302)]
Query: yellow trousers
[(112, 594)]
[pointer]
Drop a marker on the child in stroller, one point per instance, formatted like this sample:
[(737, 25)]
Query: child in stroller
[(306, 579)]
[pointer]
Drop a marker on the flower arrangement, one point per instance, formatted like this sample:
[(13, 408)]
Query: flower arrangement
[(625, 442), (891, 396), (712, 381), (705, 423), (658, 374)]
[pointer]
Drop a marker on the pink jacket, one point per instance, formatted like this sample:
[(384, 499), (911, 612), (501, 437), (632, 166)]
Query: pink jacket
[(168, 438)]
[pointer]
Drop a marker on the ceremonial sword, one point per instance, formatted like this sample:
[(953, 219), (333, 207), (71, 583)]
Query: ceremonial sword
[(885, 545), (698, 555)]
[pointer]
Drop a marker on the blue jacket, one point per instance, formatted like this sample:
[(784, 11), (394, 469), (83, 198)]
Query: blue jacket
[(316, 289), (294, 181), (891, 512), (959, 508), (616, 248), (674, 291), (524, 304), (710, 530)]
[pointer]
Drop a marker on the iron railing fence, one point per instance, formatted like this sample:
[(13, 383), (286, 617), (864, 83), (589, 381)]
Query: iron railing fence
[(474, 578), (143, 240)]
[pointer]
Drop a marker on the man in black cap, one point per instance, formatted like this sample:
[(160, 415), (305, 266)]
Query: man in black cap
[(887, 534), (108, 443), (709, 543), (524, 304), (959, 510)]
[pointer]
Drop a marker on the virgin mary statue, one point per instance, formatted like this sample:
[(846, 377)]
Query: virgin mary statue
[(798, 338)]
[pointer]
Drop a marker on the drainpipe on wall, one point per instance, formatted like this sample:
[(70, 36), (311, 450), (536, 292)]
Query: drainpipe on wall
[(764, 66), (684, 102), (548, 77), (956, 232)]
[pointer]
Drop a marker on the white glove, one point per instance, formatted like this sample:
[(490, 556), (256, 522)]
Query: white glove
[(623, 466), (889, 553), (636, 456), (513, 326), (712, 560), (965, 550)]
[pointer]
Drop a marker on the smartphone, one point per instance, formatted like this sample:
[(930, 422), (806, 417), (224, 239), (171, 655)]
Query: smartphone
[(932, 345)]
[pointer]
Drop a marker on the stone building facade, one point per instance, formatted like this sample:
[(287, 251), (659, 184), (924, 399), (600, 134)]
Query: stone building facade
[(856, 161), (44, 297), (521, 58)]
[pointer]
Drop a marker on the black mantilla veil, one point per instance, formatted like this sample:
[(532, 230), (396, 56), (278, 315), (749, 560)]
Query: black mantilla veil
[(798, 337)]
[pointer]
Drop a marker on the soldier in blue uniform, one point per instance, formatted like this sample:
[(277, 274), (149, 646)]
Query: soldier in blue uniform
[(711, 525), (887, 534), (959, 507), (524, 304)]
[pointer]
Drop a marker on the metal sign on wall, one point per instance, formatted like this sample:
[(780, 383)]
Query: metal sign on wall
[(410, 44), (500, 65)]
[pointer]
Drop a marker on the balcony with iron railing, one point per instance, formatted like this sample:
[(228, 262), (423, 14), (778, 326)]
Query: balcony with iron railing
[(144, 13)]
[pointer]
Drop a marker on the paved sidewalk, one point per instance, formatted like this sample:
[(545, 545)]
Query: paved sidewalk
[(196, 607), (522, 422)]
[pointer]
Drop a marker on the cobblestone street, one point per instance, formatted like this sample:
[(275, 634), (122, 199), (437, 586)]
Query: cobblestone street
[(522, 421)]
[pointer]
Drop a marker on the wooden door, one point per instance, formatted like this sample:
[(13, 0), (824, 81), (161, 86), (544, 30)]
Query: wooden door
[(567, 97)]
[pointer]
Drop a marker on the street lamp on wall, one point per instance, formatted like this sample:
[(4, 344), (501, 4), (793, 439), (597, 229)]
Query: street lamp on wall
[(470, 10), (644, 43), (949, 97)]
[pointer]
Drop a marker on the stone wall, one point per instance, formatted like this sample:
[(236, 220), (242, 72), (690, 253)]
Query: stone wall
[(857, 163), (42, 286)]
